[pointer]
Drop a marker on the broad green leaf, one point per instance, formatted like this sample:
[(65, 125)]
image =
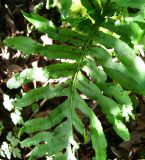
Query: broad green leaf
[(100, 55), (110, 108), (125, 54), (136, 32), (128, 57), (77, 123), (123, 74), (124, 77), (121, 97), (70, 37), (112, 111), (88, 88), (134, 64), (28, 75), (110, 89)]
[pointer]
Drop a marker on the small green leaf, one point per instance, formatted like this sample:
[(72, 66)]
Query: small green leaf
[(121, 130), (48, 149), (36, 139), (66, 5), (39, 93), (28, 46), (25, 44), (53, 71), (105, 39), (116, 92), (98, 139), (61, 51), (125, 54), (41, 23), (96, 73), (126, 30), (97, 135), (55, 117), (90, 8)]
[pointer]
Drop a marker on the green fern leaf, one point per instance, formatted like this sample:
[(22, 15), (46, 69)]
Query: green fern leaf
[(23, 43), (127, 30), (55, 135), (39, 124), (39, 22), (62, 51), (104, 39), (62, 34), (36, 139), (97, 135), (38, 94), (109, 107), (54, 71), (117, 93), (94, 8), (59, 135), (97, 74)]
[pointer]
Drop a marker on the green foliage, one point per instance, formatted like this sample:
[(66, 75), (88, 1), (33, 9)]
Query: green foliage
[(88, 45), (10, 148), (140, 4)]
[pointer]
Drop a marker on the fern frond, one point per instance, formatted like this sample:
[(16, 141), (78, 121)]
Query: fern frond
[(54, 135)]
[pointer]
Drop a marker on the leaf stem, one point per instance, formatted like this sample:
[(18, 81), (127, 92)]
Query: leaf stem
[(77, 72)]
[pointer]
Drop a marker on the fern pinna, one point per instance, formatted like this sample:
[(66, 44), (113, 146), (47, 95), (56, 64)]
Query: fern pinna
[(100, 43)]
